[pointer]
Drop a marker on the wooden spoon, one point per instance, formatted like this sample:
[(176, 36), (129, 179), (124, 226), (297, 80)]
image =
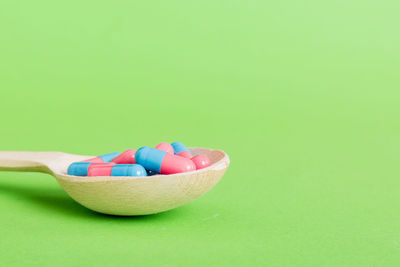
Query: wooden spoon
[(122, 195)]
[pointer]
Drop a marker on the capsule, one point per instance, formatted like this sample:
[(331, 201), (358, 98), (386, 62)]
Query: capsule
[(127, 157), (112, 169), (201, 161), (103, 158), (181, 150), (165, 147), (79, 168), (160, 161)]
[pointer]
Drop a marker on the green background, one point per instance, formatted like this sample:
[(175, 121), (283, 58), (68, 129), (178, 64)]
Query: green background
[(304, 96)]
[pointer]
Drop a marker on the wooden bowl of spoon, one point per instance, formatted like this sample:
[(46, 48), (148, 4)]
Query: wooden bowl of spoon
[(124, 196)]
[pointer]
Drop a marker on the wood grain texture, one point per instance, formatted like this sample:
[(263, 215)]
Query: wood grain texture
[(125, 196)]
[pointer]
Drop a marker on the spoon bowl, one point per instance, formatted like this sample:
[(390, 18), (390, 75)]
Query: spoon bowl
[(125, 196)]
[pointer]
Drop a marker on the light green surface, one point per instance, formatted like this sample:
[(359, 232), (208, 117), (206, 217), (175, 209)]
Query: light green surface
[(303, 95)]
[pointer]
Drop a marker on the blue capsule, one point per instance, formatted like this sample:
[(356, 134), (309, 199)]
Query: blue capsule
[(79, 168), (128, 170)]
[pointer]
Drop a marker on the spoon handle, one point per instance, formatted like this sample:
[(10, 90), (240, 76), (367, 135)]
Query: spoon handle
[(26, 161)]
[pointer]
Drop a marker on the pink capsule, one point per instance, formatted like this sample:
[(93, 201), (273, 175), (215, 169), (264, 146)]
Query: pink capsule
[(165, 147), (173, 164), (185, 154), (127, 157), (201, 161), (100, 169)]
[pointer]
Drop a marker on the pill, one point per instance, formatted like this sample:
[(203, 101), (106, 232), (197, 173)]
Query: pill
[(127, 157), (103, 158), (165, 147), (78, 168), (181, 150), (111, 169), (201, 161), (160, 161)]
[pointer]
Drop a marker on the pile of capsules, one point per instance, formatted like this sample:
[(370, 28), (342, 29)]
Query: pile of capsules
[(163, 159)]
